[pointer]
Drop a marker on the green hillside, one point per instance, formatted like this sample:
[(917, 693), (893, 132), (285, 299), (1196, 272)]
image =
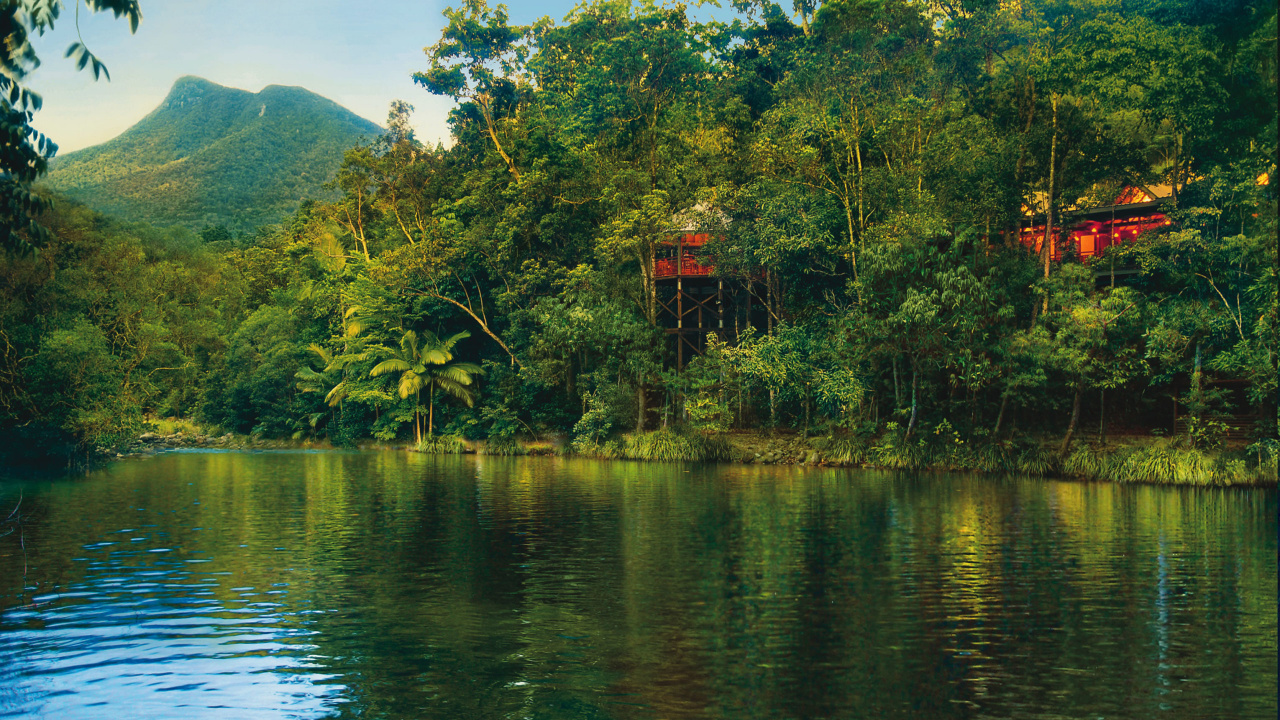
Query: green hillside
[(212, 155)]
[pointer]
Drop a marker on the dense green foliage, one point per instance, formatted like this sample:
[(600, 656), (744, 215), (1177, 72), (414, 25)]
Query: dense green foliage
[(215, 156), (25, 152), (863, 169), (107, 322)]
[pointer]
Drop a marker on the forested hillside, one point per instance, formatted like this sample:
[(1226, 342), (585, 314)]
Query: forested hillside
[(211, 155), (863, 170)]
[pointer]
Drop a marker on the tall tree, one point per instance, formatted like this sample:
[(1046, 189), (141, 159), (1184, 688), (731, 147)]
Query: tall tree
[(427, 363)]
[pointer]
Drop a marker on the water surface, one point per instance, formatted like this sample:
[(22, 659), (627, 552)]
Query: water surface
[(388, 585)]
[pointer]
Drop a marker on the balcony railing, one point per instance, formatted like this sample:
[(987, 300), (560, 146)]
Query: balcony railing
[(1090, 238), (688, 266), (681, 261)]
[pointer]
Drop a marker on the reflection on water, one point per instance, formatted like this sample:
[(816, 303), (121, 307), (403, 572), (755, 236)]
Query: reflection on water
[(401, 586)]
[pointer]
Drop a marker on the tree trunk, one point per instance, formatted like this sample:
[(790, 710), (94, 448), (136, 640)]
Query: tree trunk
[(1004, 403), (1071, 428), (431, 416), (807, 404), (1046, 246), (435, 293), (768, 312), (1102, 417), (853, 249), (1197, 397), (640, 402), (1196, 407), (486, 110), (417, 418), (915, 385), (897, 393)]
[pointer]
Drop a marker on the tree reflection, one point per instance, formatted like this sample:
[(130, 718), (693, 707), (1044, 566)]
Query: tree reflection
[(390, 585)]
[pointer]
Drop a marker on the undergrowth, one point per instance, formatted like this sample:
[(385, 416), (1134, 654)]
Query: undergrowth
[(442, 445), (171, 426), (665, 445), (843, 450), (507, 446), (1166, 462)]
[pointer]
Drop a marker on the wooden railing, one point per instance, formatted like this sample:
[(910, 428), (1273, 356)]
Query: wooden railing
[(684, 264)]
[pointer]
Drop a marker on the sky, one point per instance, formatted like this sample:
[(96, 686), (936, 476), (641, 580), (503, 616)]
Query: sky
[(358, 53)]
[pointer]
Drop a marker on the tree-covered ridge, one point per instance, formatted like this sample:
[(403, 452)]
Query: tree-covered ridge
[(865, 171), (211, 155)]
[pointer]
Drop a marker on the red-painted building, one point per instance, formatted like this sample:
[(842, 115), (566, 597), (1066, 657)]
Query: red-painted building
[(1095, 229), (692, 304), (677, 258)]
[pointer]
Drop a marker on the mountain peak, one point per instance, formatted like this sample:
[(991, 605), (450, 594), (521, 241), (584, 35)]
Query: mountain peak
[(193, 80), (210, 155), (286, 89)]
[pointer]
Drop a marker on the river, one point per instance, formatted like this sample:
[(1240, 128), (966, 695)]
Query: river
[(393, 585)]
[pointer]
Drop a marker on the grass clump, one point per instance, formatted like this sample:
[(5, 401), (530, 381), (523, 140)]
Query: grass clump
[(896, 451), (843, 450), (504, 446), (608, 450), (673, 446), (442, 445), (1090, 463), (173, 426), (1165, 462)]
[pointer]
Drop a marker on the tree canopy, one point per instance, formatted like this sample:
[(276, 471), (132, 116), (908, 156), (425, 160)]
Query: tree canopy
[(865, 171)]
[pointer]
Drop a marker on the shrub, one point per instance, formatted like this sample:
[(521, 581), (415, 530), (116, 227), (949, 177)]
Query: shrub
[(894, 450), (843, 450), (671, 446), (1087, 462), (594, 423), (502, 446), (442, 445)]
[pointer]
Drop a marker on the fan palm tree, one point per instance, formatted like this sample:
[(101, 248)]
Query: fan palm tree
[(323, 381), (331, 381), (426, 363)]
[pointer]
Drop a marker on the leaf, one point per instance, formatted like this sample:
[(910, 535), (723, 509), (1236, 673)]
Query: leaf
[(390, 366)]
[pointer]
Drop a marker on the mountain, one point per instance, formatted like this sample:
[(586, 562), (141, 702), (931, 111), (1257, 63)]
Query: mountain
[(212, 155)]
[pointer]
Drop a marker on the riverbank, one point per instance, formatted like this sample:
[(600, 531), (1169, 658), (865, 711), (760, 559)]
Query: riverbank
[(1128, 459), (151, 443)]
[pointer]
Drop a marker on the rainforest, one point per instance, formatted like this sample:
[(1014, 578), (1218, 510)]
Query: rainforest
[(862, 232)]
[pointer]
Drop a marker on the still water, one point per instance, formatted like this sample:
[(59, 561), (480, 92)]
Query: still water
[(389, 585)]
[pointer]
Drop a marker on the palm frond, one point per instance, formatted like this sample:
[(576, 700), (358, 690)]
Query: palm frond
[(325, 356), (389, 366), (337, 394), (469, 367), (435, 356), (456, 373), (410, 383), (455, 389), (409, 344), (307, 375), (346, 359)]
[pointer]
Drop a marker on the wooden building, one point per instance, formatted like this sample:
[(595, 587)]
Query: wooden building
[(692, 304), (1090, 231)]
